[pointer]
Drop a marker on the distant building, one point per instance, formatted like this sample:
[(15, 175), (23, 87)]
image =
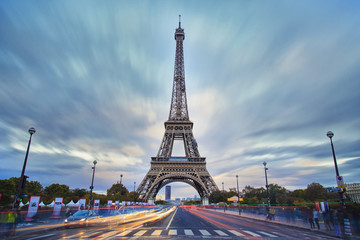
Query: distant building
[(160, 197), (232, 190), (353, 191), (167, 193)]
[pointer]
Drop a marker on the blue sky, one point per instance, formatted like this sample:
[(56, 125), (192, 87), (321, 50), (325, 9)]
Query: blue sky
[(265, 81)]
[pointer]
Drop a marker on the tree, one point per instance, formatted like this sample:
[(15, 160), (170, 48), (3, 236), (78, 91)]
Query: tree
[(33, 188), (254, 195), (277, 194), (7, 188), (216, 196), (161, 202), (315, 192), (113, 192), (55, 190), (192, 202), (297, 196)]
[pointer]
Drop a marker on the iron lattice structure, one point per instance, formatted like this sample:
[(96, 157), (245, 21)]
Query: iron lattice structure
[(165, 168)]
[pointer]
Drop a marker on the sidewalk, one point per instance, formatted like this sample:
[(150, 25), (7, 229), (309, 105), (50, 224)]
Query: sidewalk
[(297, 223)]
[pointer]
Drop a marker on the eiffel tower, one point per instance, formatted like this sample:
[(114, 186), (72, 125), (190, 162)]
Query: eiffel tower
[(166, 168)]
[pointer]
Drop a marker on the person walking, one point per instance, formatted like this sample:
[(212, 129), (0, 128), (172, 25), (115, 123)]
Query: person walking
[(3, 222), (335, 221), (11, 218), (316, 218), (326, 216), (309, 216)]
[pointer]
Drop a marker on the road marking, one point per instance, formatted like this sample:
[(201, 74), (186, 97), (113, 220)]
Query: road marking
[(236, 233), (48, 235), (156, 233), (188, 232), (252, 234), (267, 234), (221, 233), (140, 233), (172, 232), (205, 233), (171, 220), (124, 233)]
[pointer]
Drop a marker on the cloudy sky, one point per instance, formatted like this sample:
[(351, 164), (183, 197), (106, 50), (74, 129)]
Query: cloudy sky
[(265, 81)]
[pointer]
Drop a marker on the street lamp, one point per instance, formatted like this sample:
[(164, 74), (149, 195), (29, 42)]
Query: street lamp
[(238, 193), (223, 195), (134, 192), (267, 186), (92, 184), (120, 188), (22, 181), (330, 134)]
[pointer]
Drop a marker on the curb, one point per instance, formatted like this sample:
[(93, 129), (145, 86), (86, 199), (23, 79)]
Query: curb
[(279, 223)]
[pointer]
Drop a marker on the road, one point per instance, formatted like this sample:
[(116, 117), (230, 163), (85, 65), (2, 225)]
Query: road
[(187, 223)]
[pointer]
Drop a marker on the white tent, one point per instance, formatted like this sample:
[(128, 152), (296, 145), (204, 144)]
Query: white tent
[(51, 204), (41, 204), (72, 204), (22, 204)]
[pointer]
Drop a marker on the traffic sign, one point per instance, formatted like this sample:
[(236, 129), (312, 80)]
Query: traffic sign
[(340, 182)]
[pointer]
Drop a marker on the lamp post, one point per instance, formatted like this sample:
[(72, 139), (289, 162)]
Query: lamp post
[(223, 194), (23, 178), (238, 193), (267, 186), (330, 134), (134, 192), (120, 189), (92, 184), (347, 224)]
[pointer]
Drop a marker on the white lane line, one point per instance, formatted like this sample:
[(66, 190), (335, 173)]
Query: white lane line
[(42, 236), (188, 232), (124, 233), (156, 233), (221, 233), (268, 234), (205, 233), (140, 233), (236, 233), (171, 220), (252, 234), (172, 232)]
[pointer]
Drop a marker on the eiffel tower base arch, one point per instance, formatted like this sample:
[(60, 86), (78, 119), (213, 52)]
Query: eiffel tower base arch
[(162, 173)]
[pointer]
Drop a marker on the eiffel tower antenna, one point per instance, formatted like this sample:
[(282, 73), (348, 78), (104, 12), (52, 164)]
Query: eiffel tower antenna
[(165, 167)]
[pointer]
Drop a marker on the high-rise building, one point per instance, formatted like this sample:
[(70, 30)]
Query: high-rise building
[(167, 193)]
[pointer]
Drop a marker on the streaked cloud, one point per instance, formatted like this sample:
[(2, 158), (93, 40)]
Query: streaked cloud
[(264, 81)]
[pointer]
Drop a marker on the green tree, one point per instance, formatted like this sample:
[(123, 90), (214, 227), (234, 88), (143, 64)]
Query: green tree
[(297, 196), (253, 195), (161, 202), (277, 194), (32, 188), (55, 190), (131, 197), (216, 196), (7, 188), (113, 192), (315, 192), (192, 202)]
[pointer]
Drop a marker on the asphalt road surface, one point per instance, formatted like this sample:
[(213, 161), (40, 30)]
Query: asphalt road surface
[(187, 223)]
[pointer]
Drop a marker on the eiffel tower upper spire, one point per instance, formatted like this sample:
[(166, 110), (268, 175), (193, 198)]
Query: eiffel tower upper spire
[(178, 108)]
